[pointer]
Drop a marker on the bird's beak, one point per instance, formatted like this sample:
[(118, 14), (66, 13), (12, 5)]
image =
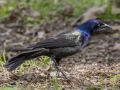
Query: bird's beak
[(105, 26)]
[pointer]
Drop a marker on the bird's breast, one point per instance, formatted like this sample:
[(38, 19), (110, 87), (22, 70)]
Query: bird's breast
[(66, 51)]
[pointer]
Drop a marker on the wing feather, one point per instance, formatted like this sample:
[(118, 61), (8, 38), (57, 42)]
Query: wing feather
[(64, 39)]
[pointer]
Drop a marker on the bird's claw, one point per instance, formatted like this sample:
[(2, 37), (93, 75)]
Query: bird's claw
[(66, 77)]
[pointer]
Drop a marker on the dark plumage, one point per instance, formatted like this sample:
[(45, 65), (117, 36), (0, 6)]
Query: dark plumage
[(62, 45)]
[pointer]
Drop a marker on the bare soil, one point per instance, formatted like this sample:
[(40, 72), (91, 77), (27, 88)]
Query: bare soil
[(93, 67)]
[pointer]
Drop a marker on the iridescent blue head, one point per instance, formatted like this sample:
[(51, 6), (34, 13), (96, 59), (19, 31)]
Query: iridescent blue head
[(88, 28), (92, 26)]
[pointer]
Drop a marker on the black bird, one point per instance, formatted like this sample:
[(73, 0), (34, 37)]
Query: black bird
[(60, 46)]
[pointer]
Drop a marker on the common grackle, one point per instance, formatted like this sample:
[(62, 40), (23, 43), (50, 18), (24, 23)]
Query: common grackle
[(60, 46)]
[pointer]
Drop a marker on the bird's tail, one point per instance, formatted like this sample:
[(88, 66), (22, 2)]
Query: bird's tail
[(14, 62)]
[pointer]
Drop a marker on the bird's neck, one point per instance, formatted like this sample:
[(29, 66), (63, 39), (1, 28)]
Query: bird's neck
[(85, 35)]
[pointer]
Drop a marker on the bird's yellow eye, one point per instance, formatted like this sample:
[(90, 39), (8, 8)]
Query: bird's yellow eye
[(98, 25)]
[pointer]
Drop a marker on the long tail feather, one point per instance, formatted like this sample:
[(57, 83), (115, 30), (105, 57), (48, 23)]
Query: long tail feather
[(14, 62)]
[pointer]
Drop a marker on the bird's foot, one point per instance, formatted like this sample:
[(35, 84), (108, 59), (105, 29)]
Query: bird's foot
[(64, 75), (58, 72)]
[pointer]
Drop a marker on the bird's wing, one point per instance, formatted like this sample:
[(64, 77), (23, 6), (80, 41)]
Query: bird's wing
[(64, 39)]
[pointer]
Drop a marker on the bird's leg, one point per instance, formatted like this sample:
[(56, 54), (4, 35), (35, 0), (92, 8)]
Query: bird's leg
[(57, 67), (57, 60), (58, 72)]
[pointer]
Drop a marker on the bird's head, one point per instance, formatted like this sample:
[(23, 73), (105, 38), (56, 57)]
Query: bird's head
[(92, 26)]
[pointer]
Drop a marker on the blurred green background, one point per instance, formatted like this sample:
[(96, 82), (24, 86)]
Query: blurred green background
[(36, 12)]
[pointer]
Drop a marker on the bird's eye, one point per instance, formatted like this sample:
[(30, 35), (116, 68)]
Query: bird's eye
[(98, 25), (95, 27)]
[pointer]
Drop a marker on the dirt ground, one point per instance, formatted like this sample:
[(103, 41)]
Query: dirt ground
[(93, 67)]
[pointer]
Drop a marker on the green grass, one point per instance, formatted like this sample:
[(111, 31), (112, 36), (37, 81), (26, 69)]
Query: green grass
[(109, 14), (48, 7), (55, 83), (2, 60), (42, 62), (1, 88)]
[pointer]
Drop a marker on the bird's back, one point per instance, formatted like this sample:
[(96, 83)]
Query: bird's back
[(75, 40), (68, 38)]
